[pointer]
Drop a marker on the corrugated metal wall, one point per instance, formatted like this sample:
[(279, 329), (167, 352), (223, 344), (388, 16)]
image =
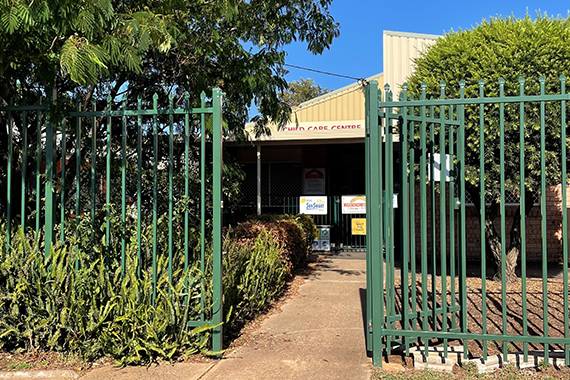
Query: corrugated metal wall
[(399, 51), (346, 103)]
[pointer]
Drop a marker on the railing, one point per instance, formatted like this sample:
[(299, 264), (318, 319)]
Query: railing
[(150, 176)]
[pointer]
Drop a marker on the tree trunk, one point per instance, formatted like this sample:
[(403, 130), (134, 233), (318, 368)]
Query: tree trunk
[(493, 239)]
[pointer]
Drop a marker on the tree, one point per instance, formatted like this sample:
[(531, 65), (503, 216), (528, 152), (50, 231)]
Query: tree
[(507, 48), (298, 92), (91, 49)]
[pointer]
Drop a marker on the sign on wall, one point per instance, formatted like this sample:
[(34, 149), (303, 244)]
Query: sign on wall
[(437, 167), (353, 204), (314, 181), (313, 205), (359, 226)]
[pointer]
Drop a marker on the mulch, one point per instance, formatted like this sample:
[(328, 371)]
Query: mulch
[(493, 299)]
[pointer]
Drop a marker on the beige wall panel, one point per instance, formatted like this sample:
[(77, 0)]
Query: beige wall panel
[(399, 50)]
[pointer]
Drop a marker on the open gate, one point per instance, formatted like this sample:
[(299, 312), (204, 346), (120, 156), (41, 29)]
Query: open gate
[(417, 271)]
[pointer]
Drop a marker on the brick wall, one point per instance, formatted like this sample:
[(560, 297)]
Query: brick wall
[(473, 227)]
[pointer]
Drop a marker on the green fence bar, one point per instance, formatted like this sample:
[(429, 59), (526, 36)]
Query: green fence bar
[(108, 177), (389, 207), (433, 244), (369, 235), (123, 186), (462, 232), (482, 213), (170, 185), (93, 168), (452, 208), (412, 217), (442, 216), (186, 198), (375, 221), (502, 210), (403, 201), (564, 219), (542, 79), (139, 185), (154, 195), (523, 215), (77, 176), (38, 168), (203, 195), (49, 188), (24, 170), (217, 290), (63, 172), (423, 212), (9, 181)]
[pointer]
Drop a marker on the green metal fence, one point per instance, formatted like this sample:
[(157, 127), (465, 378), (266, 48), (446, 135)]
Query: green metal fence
[(420, 288), (150, 166)]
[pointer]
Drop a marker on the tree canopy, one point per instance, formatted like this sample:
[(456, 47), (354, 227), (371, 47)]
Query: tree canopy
[(167, 46), (302, 90), (507, 48)]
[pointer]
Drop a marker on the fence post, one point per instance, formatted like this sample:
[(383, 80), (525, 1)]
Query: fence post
[(217, 290), (49, 214), (375, 231)]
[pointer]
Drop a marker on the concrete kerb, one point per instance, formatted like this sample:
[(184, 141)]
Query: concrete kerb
[(436, 360), (40, 375)]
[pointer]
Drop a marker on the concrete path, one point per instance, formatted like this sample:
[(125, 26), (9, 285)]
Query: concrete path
[(319, 334)]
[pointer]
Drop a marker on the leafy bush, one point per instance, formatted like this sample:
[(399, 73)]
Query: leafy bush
[(95, 310), (295, 232), (254, 274)]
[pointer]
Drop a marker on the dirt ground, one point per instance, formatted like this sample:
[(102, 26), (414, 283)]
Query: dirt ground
[(495, 304)]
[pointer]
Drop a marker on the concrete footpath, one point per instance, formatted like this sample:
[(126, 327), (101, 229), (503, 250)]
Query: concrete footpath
[(318, 334)]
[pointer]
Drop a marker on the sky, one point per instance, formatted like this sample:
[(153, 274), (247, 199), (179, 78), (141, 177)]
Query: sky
[(358, 51)]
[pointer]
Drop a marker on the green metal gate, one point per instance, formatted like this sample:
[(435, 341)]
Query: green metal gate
[(105, 163), (419, 287)]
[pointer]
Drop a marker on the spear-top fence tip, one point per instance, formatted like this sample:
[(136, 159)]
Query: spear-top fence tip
[(501, 81), (562, 78), (386, 87), (139, 97), (203, 94), (424, 85), (171, 96), (542, 79), (155, 96), (521, 80), (109, 98), (187, 96), (442, 84), (481, 82), (462, 83), (405, 86)]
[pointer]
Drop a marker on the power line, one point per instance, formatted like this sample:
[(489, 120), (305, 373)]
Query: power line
[(362, 80)]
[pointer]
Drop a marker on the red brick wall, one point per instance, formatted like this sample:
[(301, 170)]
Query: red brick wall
[(533, 226)]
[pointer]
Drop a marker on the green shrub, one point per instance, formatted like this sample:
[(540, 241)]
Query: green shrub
[(295, 232), (254, 274), (95, 310)]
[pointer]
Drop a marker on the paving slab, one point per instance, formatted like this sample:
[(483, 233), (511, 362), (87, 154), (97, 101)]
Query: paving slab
[(178, 371), (319, 333)]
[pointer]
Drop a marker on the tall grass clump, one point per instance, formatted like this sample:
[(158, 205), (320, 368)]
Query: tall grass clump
[(81, 302)]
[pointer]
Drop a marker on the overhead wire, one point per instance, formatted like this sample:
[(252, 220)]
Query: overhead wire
[(360, 80)]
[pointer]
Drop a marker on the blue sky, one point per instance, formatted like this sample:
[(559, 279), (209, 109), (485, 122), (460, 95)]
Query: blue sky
[(358, 50)]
